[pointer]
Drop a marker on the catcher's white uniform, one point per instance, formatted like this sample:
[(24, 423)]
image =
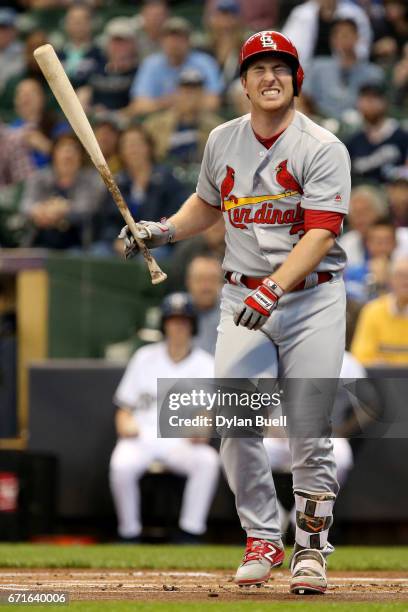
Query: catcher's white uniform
[(131, 457)]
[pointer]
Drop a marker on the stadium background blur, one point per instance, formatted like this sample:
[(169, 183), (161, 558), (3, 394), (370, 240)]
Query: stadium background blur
[(72, 311)]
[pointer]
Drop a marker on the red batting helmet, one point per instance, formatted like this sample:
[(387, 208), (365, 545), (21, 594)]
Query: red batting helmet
[(267, 42)]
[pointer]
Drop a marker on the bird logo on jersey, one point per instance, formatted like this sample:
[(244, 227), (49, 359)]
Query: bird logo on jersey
[(286, 179), (227, 186), (240, 211)]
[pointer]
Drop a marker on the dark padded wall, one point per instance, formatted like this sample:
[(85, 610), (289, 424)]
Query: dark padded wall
[(71, 415), (376, 489), (8, 374), (36, 479)]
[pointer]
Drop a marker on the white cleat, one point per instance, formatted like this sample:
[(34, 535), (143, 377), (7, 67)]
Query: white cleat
[(259, 559), (308, 568)]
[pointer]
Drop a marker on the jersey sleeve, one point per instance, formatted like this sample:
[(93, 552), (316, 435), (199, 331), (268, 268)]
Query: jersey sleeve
[(206, 185), (323, 219), (126, 393), (327, 182)]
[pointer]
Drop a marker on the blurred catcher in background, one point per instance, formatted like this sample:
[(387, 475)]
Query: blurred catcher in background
[(138, 446)]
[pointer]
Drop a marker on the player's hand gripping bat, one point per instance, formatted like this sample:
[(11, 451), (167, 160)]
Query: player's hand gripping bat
[(62, 89)]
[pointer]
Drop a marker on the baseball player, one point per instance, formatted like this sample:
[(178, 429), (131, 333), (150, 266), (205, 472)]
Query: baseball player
[(138, 446), (282, 184)]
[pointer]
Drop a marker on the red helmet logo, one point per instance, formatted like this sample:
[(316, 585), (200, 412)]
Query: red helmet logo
[(270, 41)]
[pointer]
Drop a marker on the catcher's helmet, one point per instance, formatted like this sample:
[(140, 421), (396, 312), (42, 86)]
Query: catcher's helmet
[(179, 305), (267, 42)]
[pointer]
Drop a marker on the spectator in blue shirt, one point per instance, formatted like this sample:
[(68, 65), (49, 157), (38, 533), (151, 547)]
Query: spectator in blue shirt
[(109, 85), (79, 55), (370, 279), (381, 145), (333, 82), (157, 79)]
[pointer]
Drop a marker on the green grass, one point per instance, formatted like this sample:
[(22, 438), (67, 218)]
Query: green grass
[(356, 558), (245, 606), (195, 558)]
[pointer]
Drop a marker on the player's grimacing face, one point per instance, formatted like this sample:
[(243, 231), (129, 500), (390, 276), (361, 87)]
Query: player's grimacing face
[(268, 84)]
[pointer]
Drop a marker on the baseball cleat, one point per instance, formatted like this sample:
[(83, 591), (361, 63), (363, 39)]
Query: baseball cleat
[(308, 568), (259, 559)]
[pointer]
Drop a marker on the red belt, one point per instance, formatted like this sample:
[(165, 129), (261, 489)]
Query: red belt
[(253, 282)]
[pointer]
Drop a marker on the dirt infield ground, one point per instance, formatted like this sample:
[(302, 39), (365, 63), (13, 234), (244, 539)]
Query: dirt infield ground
[(173, 586)]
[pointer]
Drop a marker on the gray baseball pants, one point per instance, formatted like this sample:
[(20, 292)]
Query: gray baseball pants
[(304, 338)]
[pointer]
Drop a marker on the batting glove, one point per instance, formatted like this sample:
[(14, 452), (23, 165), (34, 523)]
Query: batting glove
[(153, 234), (258, 305)]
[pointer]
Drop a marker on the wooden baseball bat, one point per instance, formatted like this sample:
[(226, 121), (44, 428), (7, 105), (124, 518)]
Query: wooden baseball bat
[(62, 89)]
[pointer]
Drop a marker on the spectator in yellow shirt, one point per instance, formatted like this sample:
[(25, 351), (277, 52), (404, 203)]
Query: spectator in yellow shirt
[(381, 336)]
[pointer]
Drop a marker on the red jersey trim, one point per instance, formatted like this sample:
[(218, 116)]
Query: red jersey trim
[(323, 219)]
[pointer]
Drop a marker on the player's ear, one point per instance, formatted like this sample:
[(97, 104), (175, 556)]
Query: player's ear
[(243, 78)]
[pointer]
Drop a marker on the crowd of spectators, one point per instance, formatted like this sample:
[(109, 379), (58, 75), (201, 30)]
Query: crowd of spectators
[(156, 78)]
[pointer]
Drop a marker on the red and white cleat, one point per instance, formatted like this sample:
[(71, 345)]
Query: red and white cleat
[(308, 573), (259, 559)]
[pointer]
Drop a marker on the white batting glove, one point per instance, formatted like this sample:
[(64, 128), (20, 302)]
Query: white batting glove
[(258, 305), (153, 234)]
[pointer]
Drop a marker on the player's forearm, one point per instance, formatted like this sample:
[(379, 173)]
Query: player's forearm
[(194, 217), (304, 258)]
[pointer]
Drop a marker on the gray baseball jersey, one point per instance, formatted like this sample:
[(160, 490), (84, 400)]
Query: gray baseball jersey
[(263, 192)]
